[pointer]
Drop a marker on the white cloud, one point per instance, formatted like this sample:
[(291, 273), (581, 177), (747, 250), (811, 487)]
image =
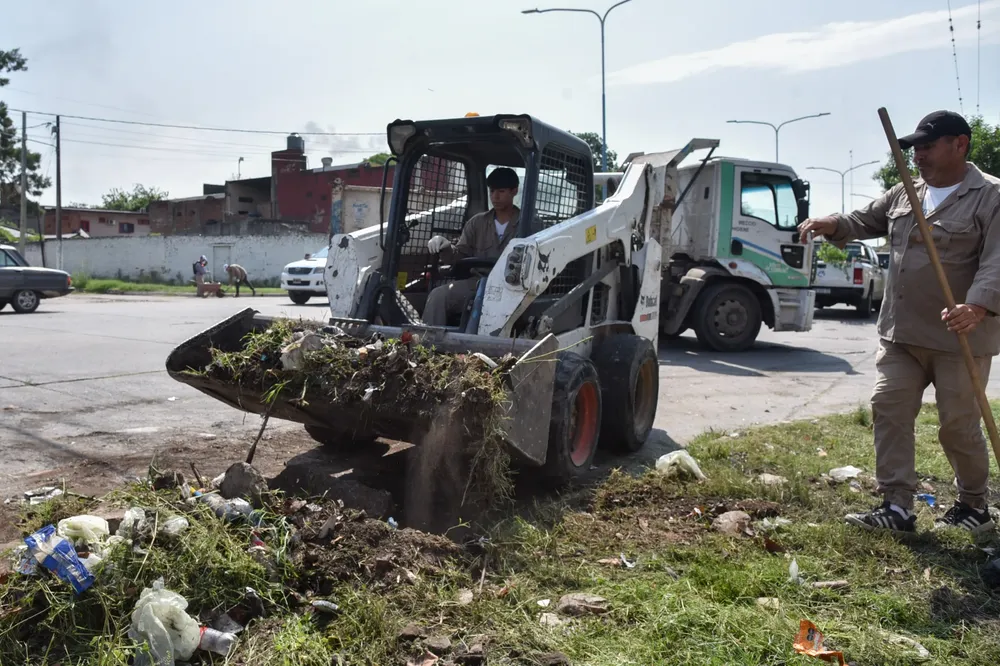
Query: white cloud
[(832, 45)]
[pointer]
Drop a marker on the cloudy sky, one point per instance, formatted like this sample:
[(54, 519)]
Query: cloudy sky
[(676, 70)]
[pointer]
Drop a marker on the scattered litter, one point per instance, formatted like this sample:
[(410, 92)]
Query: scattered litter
[(922, 653), (550, 620), (610, 562), (928, 498), (24, 562), (821, 452), (830, 584), (735, 435), (427, 659), (174, 526), (324, 606), (82, 531), (927, 574), (392, 523), (464, 597), (44, 494), (771, 603), (793, 573), (490, 363), (772, 524), (227, 624), (679, 464), (581, 603), (172, 399), (733, 523), (58, 555), (771, 479), (841, 474), (627, 563), (855, 486), (809, 641)]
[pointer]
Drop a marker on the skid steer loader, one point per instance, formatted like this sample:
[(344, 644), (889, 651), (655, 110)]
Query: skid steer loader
[(574, 296)]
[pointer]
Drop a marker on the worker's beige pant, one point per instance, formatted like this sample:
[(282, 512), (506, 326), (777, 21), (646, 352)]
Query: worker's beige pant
[(902, 374), (448, 299)]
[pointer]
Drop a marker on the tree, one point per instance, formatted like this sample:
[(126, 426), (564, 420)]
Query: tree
[(378, 159), (984, 153), (593, 139), (138, 199), (10, 142)]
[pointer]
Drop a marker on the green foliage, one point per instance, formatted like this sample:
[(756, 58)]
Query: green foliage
[(378, 159), (984, 153), (831, 255), (136, 200), (593, 139), (10, 142)]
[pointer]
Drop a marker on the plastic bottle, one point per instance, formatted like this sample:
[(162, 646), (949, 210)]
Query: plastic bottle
[(219, 642)]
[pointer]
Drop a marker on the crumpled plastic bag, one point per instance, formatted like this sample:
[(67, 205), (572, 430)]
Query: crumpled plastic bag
[(84, 530), (679, 464), (292, 354), (134, 524), (160, 619), (841, 474)]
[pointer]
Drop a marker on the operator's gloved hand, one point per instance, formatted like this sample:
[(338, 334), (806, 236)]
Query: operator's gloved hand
[(438, 243)]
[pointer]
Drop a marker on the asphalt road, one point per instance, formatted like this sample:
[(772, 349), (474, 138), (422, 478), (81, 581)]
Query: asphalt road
[(83, 386)]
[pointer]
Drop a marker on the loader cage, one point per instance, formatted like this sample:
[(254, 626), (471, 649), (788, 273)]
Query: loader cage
[(440, 182)]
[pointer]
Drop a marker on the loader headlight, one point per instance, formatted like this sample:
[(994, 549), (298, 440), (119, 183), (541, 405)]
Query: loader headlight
[(521, 128), (399, 135)]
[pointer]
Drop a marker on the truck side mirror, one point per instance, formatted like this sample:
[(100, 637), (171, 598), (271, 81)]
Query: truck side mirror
[(800, 188)]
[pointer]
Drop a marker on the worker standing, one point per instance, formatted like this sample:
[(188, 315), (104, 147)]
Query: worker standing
[(918, 345), (238, 275), (199, 276)]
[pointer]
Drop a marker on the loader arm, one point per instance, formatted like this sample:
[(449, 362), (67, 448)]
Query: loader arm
[(618, 228)]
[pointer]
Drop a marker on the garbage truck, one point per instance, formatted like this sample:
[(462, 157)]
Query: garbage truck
[(580, 295)]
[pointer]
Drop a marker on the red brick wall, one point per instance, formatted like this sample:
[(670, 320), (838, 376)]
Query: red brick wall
[(171, 217), (305, 195)]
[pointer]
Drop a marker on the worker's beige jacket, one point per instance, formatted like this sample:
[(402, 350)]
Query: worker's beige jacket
[(966, 233), (479, 237)]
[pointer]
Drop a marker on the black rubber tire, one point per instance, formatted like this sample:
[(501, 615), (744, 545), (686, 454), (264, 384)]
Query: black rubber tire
[(864, 307), (674, 336), (572, 440), (707, 310), (25, 301), (299, 298), (340, 439), (630, 382)]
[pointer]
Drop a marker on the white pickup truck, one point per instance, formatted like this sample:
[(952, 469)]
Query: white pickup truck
[(860, 281)]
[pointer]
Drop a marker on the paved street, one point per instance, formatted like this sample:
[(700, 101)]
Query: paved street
[(84, 393)]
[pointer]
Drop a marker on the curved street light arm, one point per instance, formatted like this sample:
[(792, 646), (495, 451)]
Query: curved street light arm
[(617, 4), (794, 120)]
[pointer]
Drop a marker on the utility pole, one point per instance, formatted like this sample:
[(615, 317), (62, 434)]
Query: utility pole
[(22, 243), (59, 188)]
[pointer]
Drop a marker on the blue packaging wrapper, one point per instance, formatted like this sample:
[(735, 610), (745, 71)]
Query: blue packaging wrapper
[(59, 556)]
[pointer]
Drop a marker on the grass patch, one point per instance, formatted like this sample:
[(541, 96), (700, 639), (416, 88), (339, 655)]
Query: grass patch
[(691, 598), (90, 285)]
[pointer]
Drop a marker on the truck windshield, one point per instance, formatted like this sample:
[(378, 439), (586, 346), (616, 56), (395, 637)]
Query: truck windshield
[(320, 254)]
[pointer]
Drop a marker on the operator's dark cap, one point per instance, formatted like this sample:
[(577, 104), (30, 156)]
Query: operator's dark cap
[(502, 178), (936, 125)]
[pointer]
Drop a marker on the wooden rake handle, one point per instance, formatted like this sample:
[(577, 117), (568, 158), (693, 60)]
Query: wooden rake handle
[(949, 297)]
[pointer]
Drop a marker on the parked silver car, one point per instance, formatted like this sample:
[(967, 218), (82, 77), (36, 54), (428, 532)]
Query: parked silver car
[(24, 286)]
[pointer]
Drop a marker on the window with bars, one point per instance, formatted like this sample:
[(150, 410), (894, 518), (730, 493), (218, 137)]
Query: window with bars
[(437, 202), (561, 194)]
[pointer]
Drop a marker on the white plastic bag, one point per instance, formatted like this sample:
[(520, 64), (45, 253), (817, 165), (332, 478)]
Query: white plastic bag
[(160, 619), (133, 524), (679, 464), (84, 530), (174, 526), (841, 474)]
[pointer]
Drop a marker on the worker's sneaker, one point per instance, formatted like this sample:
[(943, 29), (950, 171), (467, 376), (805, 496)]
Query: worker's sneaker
[(964, 516), (885, 518)]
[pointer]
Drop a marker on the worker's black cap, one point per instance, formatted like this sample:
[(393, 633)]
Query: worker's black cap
[(936, 125), (502, 178)]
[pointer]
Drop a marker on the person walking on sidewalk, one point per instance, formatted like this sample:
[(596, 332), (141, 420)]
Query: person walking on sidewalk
[(238, 275), (918, 345)]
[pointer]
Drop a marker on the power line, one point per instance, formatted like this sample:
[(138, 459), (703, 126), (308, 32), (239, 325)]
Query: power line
[(184, 149), (197, 127), (954, 53)]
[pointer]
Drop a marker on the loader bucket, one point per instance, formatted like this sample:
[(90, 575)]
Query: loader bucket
[(526, 412)]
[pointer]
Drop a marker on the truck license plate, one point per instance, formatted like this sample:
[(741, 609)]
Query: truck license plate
[(822, 290), (296, 282)]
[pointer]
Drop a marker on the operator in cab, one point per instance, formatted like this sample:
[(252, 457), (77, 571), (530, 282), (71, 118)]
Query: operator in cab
[(484, 236)]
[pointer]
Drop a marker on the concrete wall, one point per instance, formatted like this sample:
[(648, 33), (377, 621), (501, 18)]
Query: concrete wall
[(169, 258), (355, 207)]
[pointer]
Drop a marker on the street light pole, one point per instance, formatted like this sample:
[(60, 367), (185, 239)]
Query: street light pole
[(604, 103), (842, 175), (777, 128)]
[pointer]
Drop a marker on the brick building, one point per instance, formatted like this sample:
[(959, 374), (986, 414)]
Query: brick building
[(186, 215), (98, 223)]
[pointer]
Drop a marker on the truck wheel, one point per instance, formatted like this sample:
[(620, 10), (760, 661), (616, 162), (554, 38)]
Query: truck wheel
[(630, 382), (727, 318), (340, 439), (865, 306), (576, 419), (673, 336), (25, 301), (298, 297)]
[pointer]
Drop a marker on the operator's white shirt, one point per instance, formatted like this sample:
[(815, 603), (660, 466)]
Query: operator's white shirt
[(500, 227), (933, 196)]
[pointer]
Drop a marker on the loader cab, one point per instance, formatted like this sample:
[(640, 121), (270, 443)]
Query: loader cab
[(440, 182)]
